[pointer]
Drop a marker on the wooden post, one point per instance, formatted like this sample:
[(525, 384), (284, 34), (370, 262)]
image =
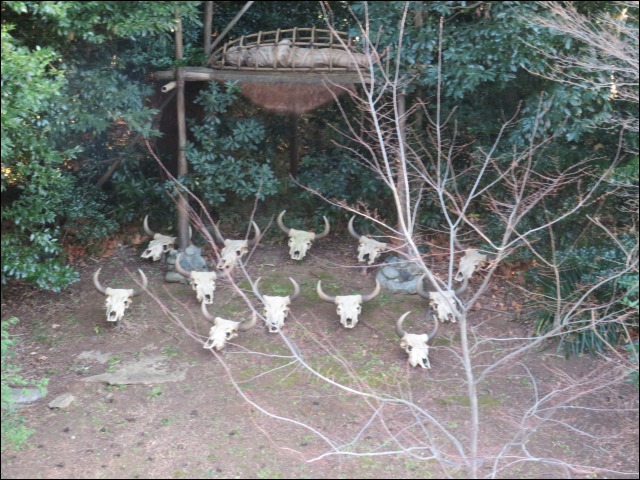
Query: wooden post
[(208, 18), (183, 203), (401, 178)]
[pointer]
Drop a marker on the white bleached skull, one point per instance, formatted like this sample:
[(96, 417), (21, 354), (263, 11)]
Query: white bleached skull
[(299, 243), (117, 299), (224, 330), (234, 250), (276, 309), (160, 245), (468, 264), (204, 283), (348, 306), (416, 345), (299, 240), (368, 249), (444, 303)]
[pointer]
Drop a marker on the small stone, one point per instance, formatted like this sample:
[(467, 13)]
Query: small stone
[(62, 401)]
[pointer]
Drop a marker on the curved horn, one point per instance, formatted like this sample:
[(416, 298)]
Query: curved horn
[(420, 288), (324, 296), (399, 330), (462, 288), (256, 237), (145, 282), (217, 234), (281, 223), (372, 295), (145, 224), (326, 231), (179, 268), (255, 289), (205, 312), (97, 284), (432, 334), (352, 231), (296, 290), (247, 324)]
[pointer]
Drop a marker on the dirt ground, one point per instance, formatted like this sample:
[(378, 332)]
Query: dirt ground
[(257, 411)]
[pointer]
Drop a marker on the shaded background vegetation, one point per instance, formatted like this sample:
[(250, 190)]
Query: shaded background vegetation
[(78, 98)]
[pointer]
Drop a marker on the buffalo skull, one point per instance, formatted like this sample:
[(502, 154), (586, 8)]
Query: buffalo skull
[(160, 245), (444, 303), (204, 283), (468, 264), (234, 249), (349, 306), (224, 330), (276, 309), (369, 249), (300, 241), (417, 346), (118, 299)]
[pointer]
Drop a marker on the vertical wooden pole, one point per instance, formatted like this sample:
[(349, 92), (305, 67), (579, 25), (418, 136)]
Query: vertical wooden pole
[(401, 179), (208, 18), (183, 203)]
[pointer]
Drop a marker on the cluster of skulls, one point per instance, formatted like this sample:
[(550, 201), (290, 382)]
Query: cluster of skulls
[(443, 303)]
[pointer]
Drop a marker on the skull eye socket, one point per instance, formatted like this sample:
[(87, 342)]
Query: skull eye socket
[(409, 348), (238, 252), (227, 334)]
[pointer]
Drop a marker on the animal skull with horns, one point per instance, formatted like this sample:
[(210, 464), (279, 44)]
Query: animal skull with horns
[(443, 303), (468, 264), (225, 330), (369, 249), (299, 240), (234, 249), (160, 245), (118, 299), (417, 346), (204, 283), (349, 306), (276, 309)]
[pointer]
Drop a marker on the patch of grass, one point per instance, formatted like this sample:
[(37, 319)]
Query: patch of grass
[(266, 472), (155, 392), (488, 401), (170, 351), (113, 362), (14, 431)]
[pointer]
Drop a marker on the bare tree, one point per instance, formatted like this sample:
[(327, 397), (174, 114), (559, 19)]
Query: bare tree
[(608, 57), (511, 187)]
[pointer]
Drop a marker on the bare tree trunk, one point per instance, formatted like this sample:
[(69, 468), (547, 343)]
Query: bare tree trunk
[(183, 203), (208, 18), (293, 144)]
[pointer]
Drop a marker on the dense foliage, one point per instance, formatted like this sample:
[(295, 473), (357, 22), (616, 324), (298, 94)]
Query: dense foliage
[(77, 99)]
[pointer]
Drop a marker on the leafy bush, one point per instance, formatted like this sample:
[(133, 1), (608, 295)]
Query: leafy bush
[(632, 349), (14, 431), (583, 267), (230, 157)]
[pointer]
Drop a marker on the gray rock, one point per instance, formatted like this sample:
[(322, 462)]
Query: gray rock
[(26, 394), (148, 370), (390, 272), (62, 401)]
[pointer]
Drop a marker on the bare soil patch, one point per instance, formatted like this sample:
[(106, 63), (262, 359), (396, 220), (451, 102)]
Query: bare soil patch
[(255, 411)]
